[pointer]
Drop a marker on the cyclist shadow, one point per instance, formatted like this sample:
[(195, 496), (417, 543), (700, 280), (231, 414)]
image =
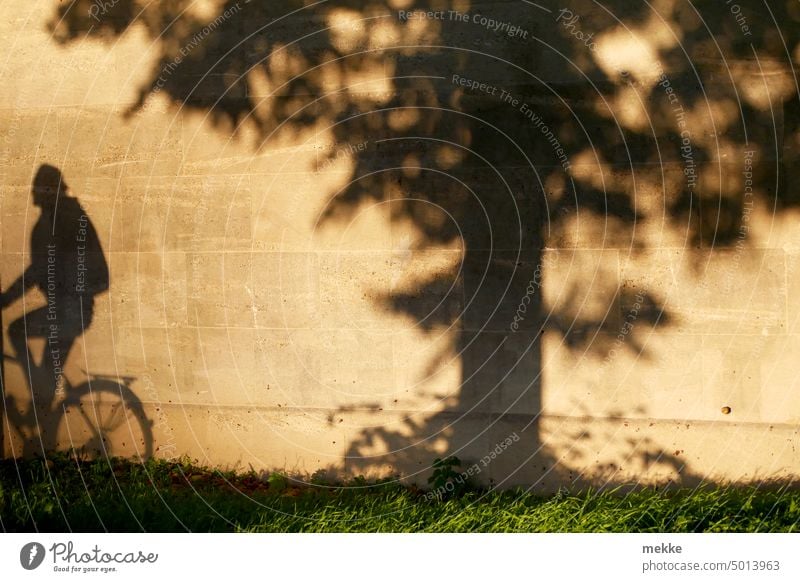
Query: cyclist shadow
[(68, 267)]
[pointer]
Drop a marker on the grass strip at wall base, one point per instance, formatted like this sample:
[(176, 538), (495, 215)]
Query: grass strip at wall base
[(62, 494)]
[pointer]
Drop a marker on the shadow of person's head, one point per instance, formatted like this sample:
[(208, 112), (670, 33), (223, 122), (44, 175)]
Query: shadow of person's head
[(48, 185)]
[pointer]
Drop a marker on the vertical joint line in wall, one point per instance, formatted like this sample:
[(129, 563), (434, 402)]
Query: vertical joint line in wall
[(786, 293)]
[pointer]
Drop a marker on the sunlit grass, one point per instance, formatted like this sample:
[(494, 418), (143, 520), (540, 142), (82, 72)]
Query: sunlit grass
[(63, 495)]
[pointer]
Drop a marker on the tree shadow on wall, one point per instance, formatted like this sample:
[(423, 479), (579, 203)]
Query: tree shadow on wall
[(507, 142)]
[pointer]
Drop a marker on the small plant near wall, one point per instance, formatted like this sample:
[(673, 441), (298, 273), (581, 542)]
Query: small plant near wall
[(448, 480), (278, 482)]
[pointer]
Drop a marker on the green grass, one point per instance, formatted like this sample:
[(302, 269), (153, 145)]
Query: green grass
[(62, 495)]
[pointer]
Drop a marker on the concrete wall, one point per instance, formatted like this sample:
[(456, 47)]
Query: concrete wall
[(573, 262)]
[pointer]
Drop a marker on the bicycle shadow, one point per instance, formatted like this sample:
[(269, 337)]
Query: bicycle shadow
[(67, 266)]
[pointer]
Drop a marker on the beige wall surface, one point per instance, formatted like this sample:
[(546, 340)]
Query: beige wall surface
[(559, 242)]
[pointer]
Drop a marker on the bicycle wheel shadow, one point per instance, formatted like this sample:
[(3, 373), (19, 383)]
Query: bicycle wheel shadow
[(67, 266)]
